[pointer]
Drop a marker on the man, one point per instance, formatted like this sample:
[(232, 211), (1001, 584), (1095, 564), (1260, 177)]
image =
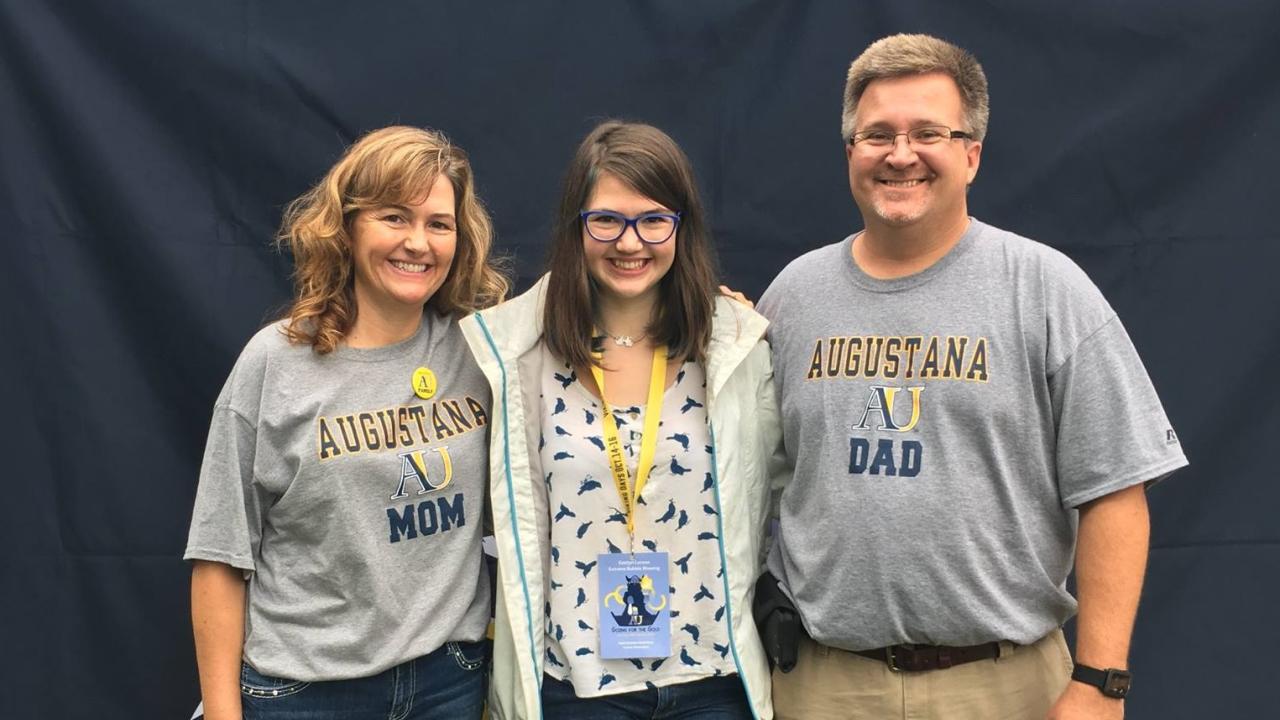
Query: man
[(965, 415)]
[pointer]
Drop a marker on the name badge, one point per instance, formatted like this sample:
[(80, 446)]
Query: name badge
[(635, 613)]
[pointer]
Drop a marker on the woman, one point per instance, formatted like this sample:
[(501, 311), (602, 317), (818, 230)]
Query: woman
[(626, 568), (336, 533)]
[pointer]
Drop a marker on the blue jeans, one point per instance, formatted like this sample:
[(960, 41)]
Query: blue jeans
[(448, 684), (713, 698)]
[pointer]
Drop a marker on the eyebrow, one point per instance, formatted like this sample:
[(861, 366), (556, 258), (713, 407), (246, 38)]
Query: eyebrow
[(885, 125), (405, 209), (658, 209)]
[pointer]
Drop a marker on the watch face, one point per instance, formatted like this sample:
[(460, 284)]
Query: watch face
[(1117, 684)]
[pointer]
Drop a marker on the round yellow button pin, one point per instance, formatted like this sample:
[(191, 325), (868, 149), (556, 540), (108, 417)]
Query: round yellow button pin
[(424, 383)]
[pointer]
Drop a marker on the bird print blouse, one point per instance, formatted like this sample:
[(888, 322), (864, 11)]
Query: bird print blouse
[(676, 514)]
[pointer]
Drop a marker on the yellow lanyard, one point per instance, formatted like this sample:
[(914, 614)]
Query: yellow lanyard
[(648, 441)]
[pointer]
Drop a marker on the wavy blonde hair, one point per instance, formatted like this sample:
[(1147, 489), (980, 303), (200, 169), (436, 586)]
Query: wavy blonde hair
[(394, 165)]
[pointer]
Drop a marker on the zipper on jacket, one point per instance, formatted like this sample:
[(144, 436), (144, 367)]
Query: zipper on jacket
[(724, 563), (511, 503)]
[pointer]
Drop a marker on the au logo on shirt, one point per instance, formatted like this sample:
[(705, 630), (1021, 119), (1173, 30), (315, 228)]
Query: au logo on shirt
[(889, 456), (413, 466), (432, 515), (881, 401)]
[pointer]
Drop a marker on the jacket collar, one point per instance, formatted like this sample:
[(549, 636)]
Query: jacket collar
[(516, 325)]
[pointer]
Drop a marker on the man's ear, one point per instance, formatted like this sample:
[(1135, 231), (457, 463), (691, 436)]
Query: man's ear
[(973, 153)]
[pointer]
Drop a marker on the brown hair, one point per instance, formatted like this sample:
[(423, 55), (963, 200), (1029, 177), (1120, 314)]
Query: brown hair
[(651, 163), (394, 165), (899, 55)]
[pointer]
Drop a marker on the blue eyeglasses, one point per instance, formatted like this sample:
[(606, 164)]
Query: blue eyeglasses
[(652, 228)]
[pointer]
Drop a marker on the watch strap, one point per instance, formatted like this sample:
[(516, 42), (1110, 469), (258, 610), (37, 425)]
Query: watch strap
[(1111, 682)]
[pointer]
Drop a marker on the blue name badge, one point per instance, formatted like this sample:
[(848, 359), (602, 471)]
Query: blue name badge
[(635, 612)]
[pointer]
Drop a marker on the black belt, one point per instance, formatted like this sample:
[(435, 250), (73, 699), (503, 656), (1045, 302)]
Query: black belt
[(916, 658)]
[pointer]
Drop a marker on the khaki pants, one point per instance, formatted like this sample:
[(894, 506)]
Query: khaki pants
[(1021, 684)]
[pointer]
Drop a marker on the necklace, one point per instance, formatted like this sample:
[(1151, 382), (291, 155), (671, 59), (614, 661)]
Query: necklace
[(624, 340)]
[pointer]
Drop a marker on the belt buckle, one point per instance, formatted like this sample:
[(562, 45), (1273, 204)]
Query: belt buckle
[(888, 659)]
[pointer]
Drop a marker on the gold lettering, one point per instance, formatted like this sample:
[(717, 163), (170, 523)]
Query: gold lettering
[(477, 411), (930, 367), (328, 446), (815, 365), (454, 409), (854, 358), (834, 350), (912, 345), (891, 359), (418, 413), (402, 422), (438, 424), (370, 431), (978, 363), (387, 423), (871, 368), (350, 439), (955, 356)]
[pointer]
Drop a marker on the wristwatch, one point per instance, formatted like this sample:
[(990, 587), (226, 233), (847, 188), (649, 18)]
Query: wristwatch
[(1111, 682)]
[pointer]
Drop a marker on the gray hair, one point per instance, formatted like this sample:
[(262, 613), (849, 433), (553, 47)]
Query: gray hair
[(899, 55)]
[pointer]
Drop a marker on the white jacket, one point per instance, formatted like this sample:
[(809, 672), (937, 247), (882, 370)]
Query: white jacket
[(746, 437)]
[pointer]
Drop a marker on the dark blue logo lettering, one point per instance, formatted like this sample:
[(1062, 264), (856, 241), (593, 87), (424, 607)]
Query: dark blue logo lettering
[(888, 458), (426, 518)]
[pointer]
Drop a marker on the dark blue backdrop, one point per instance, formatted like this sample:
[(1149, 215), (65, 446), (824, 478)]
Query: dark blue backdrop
[(146, 150)]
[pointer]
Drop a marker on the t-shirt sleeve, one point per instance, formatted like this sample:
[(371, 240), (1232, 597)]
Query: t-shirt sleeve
[(226, 525), (1112, 431), (770, 306)]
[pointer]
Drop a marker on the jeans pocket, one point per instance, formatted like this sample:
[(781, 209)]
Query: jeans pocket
[(469, 656), (255, 684)]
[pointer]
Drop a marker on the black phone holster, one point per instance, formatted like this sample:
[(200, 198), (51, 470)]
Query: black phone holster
[(778, 622)]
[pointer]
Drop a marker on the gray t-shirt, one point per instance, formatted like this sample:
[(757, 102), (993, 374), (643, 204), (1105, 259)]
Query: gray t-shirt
[(943, 427), (354, 505)]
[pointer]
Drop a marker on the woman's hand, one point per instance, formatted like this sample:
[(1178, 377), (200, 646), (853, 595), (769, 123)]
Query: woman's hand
[(735, 295)]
